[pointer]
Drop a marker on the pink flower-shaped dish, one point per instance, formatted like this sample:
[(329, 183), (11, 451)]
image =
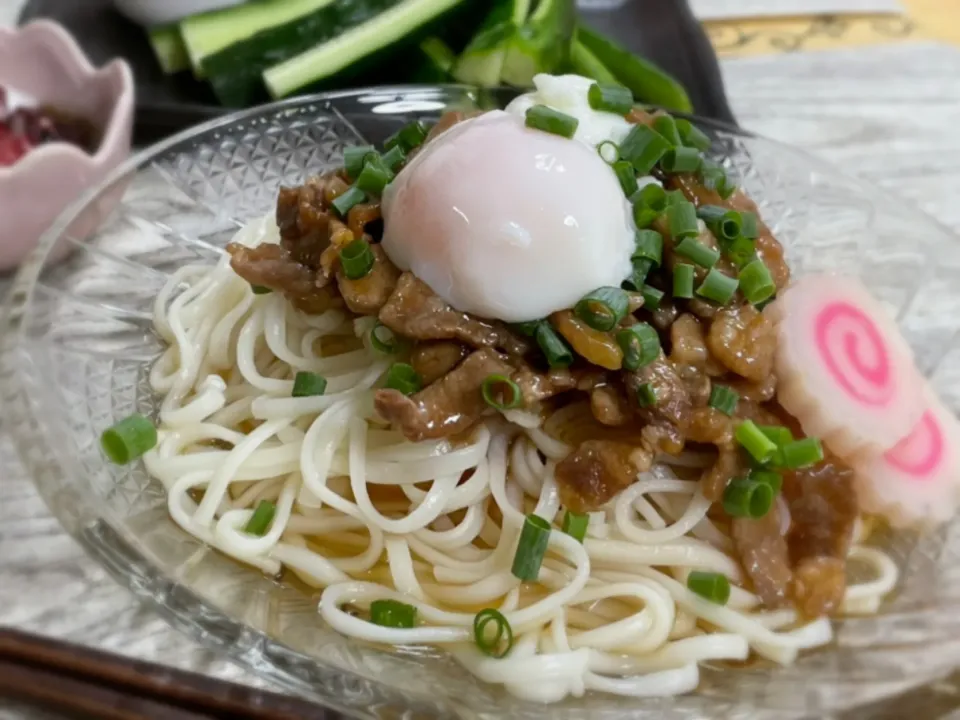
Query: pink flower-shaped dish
[(42, 61)]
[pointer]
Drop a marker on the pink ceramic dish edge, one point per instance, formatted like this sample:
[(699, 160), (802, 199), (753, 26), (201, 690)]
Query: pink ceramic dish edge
[(42, 60)]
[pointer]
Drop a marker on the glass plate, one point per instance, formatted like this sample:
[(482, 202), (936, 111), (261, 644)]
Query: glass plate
[(78, 344)]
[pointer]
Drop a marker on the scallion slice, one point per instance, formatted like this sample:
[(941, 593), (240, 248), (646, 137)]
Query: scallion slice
[(528, 328), (345, 202), (555, 348), (496, 645), (747, 498), (408, 137), (714, 177), (261, 518), (355, 157), (682, 220), (724, 399), (383, 339), (643, 147), (308, 384), (404, 378), (697, 252), (757, 282), (710, 586), (681, 160), (393, 614), (608, 152), (718, 287), (394, 158), (532, 546), (683, 280), (357, 259), (726, 227), (652, 297), (648, 203), (603, 309), (374, 177), (773, 479), (646, 395), (748, 225), (261, 289), (667, 126), (575, 525), (692, 136), (501, 393), (801, 453), (778, 434), (541, 117), (610, 98), (128, 439), (649, 246), (760, 447), (640, 345), (641, 268), (627, 176), (741, 250)]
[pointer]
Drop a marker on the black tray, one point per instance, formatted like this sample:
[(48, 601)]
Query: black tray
[(664, 31)]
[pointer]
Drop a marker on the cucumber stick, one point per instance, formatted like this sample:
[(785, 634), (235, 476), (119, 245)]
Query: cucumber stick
[(542, 44), (209, 33), (364, 39), (583, 62), (481, 63), (169, 48)]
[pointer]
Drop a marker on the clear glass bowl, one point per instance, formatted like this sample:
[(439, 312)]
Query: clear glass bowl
[(78, 344)]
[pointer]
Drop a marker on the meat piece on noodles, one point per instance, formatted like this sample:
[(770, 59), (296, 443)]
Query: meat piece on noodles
[(663, 317), (303, 217), (536, 387), (744, 341), (667, 418), (366, 295), (433, 360), (596, 471), (688, 346), (271, 266), (447, 407), (763, 553), (819, 584), (609, 406), (416, 312)]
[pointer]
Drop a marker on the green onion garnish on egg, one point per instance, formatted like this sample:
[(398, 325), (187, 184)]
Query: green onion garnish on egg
[(261, 518), (497, 644), (640, 345), (603, 309), (541, 117), (648, 203), (357, 259), (501, 393), (610, 98), (724, 399), (403, 378), (128, 439), (710, 586), (532, 546), (643, 147), (393, 614), (627, 176), (308, 384), (649, 246), (609, 152)]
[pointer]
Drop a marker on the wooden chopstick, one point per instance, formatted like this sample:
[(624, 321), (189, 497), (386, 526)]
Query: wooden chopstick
[(71, 677)]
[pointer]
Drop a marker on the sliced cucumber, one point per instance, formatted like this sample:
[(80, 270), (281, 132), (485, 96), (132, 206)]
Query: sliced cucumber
[(209, 33), (169, 48), (583, 62), (368, 34), (542, 44), (481, 63)]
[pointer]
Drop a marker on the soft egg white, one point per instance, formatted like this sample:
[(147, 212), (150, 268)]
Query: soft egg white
[(506, 222)]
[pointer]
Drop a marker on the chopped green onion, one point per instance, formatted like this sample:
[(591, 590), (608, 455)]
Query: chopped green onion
[(575, 525), (501, 393), (641, 268), (261, 289), (718, 287), (748, 225), (610, 98), (682, 219), (352, 196), (643, 147), (357, 259), (725, 224), (392, 614), (714, 177), (711, 214), (710, 586), (652, 297), (773, 479), (674, 197), (724, 399), (680, 160), (627, 176), (609, 152), (404, 378), (128, 439), (541, 117), (408, 137), (603, 309), (692, 136), (308, 384), (757, 282), (384, 340), (640, 345), (499, 645), (667, 126), (394, 158), (646, 395), (741, 250), (683, 280), (528, 328), (648, 203), (801, 453), (697, 252), (649, 246), (374, 177), (747, 498), (533, 544), (261, 518), (559, 354), (778, 434), (760, 447), (355, 157)]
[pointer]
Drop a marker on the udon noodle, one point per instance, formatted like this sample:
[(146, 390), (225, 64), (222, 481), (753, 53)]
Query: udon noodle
[(366, 515)]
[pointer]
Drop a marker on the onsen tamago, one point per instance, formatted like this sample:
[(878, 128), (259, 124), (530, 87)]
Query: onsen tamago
[(506, 222)]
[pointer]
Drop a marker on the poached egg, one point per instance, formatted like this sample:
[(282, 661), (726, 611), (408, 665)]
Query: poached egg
[(507, 222)]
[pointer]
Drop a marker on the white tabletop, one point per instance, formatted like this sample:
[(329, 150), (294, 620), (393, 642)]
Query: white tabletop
[(889, 114)]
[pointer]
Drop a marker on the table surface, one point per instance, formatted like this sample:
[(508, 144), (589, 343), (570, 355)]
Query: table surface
[(888, 114)]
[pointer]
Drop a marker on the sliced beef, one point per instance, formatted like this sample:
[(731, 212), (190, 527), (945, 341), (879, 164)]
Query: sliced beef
[(433, 360), (744, 341), (662, 318), (596, 471), (366, 295), (667, 418), (609, 406), (449, 406), (819, 584), (536, 387), (303, 217), (418, 313), (688, 346), (763, 554), (272, 266), (761, 392)]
